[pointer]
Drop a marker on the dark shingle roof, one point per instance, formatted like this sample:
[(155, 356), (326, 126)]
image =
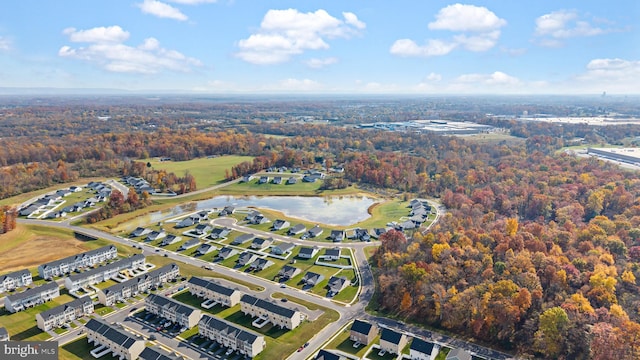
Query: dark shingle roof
[(122, 264), (210, 285), (422, 346), (75, 304), (14, 275), (114, 334), (271, 307), (166, 302), (326, 355), (361, 327), (391, 336), (228, 328), (156, 353), (30, 292)]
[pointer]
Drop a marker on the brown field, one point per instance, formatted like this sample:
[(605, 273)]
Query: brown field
[(29, 246)]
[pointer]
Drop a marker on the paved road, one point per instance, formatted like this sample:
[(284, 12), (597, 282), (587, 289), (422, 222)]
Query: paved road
[(347, 313)]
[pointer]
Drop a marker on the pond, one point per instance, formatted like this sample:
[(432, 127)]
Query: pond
[(337, 210)]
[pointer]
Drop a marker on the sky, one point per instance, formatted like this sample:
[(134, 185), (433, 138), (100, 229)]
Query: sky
[(426, 47)]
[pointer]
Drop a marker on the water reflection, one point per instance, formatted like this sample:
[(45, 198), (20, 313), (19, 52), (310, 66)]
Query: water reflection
[(330, 210)]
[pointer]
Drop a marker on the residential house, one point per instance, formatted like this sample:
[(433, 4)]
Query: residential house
[(260, 264), (75, 189), (104, 273), (242, 239), (14, 280), (231, 336), (283, 248), (278, 315), (376, 232), (312, 279), (226, 252), (4, 334), (65, 313), (314, 232), (140, 231), (308, 252), (337, 284), (172, 310), (458, 354), (247, 178), (259, 219), (29, 210), (288, 272), (189, 244), (361, 234), (139, 284), (328, 355), (337, 235), (123, 344), (332, 254), (204, 249), (202, 229), (260, 243), (292, 180), (280, 224), (170, 239), (156, 235), (246, 258), (407, 225), (31, 297), (227, 210), (186, 222), (363, 332), (263, 180), (297, 229), (422, 350), (392, 341), (157, 353), (63, 192), (72, 263), (211, 290), (219, 233), (57, 214), (277, 180)]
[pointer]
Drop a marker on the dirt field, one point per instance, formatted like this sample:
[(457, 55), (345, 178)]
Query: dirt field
[(27, 247)]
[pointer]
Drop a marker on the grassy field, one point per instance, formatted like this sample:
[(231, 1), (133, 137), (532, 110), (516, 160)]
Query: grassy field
[(22, 325), (76, 350), (31, 245), (342, 343), (207, 171)]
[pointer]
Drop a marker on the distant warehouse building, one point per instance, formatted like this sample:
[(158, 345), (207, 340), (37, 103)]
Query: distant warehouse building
[(628, 155)]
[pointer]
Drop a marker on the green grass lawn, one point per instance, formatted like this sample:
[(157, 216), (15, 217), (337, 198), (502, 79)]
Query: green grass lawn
[(442, 355), (79, 349), (207, 171), (22, 325)]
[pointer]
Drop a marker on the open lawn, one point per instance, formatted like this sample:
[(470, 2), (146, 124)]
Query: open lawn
[(342, 343), (32, 245), (77, 350), (207, 171), (22, 325)]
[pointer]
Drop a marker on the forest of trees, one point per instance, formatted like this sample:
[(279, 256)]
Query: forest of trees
[(538, 252)]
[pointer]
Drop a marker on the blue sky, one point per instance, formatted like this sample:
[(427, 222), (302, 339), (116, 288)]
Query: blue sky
[(330, 46)]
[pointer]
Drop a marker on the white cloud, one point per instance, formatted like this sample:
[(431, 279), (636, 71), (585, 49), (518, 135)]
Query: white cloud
[(497, 78), (320, 63), (192, 2), (615, 75), (408, 47), (107, 50), (161, 10), (5, 44), (109, 34), (477, 28), (472, 18), (433, 77), (299, 85), (556, 26), (286, 33)]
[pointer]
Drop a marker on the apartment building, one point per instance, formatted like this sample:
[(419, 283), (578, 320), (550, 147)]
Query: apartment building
[(276, 314), (138, 284), (31, 297), (232, 336), (104, 273), (14, 280), (64, 313), (122, 344), (211, 290), (172, 310), (75, 262)]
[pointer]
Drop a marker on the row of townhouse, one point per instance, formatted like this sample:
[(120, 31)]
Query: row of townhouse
[(104, 273), (211, 290), (75, 262), (138, 284), (15, 280), (121, 343), (31, 297), (231, 336), (64, 313), (157, 353), (276, 314), (173, 310)]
